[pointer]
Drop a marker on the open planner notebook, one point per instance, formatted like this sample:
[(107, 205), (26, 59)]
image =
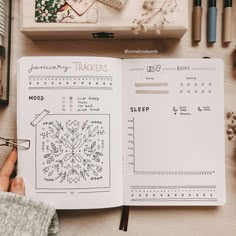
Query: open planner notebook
[(107, 132)]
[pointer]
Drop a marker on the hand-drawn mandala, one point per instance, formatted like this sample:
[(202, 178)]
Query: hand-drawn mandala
[(73, 150)]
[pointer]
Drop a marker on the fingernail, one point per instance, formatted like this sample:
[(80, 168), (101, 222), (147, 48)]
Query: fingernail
[(18, 183)]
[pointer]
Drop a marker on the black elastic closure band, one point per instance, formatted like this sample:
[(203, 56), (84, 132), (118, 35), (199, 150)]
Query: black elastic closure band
[(124, 219)]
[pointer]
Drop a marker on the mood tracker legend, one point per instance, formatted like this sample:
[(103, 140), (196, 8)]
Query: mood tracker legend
[(80, 104)]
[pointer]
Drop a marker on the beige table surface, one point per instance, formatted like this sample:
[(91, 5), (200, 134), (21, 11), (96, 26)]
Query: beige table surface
[(143, 220)]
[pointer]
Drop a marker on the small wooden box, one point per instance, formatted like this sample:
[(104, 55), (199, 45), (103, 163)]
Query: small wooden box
[(136, 19)]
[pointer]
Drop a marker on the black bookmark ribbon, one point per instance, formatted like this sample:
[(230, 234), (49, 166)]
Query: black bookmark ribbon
[(124, 219)]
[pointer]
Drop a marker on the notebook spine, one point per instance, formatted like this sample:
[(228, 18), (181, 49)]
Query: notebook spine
[(2, 34)]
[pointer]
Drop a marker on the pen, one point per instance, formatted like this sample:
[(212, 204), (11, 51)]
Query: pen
[(197, 20), (211, 21), (227, 21)]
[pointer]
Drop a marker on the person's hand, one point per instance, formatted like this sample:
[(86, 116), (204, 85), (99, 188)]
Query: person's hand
[(15, 185)]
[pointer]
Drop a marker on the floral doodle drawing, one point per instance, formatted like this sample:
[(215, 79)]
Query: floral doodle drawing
[(73, 151), (46, 10)]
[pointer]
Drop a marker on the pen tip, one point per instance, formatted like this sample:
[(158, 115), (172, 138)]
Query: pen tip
[(228, 3), (212, 3), (197, 3)]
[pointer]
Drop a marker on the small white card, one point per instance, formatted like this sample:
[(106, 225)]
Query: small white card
[(81, 6)]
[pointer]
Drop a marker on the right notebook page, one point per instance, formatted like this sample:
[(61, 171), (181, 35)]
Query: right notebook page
[(174, 132)]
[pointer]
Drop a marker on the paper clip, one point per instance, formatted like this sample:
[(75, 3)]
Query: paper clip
[(19, 143)]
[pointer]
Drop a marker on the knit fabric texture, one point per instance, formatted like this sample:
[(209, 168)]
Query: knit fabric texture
[(22, 216)]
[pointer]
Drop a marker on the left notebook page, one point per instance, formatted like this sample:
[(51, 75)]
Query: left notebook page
[(70, 108)]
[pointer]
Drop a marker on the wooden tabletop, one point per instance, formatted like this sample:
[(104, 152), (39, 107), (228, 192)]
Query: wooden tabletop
[(143, 220)]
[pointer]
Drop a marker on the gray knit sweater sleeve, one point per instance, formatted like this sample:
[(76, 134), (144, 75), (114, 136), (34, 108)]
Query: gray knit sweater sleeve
[(22, 216)]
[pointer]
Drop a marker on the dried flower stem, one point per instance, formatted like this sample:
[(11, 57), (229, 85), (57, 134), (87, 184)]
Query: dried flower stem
[(160, 10), (151, 13)]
